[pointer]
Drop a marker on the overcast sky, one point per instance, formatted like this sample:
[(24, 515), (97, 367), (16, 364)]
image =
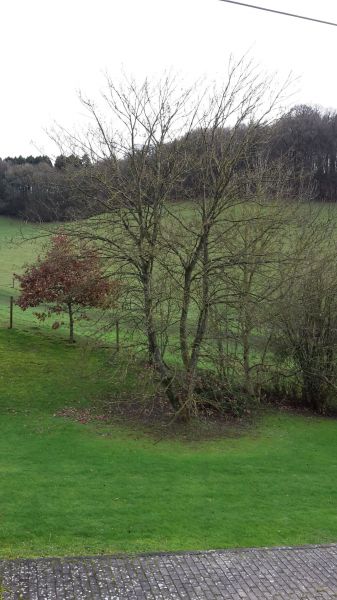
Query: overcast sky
[(50, 50)]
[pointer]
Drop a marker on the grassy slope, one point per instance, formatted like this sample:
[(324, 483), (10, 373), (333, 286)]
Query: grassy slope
[(17, 247), (66, 489)]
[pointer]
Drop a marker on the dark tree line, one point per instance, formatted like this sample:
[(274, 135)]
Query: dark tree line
[(34, 188), (308, 136), (305, 139)]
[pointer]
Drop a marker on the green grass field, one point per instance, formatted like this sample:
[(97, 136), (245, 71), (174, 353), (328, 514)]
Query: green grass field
[(69, 488)]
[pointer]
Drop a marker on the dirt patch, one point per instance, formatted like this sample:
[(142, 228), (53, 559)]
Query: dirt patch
[(155, 417)]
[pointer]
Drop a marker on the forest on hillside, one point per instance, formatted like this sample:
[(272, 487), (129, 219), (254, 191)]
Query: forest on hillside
[(36, 189)]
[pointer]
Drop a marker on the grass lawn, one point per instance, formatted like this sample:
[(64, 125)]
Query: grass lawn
[(68, 488)]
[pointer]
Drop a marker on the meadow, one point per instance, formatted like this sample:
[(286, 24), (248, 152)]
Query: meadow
[(70, 487), (15, 251)]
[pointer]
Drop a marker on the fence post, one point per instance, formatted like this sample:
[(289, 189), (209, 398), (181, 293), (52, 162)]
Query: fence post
[(117, 335), (11, 304)]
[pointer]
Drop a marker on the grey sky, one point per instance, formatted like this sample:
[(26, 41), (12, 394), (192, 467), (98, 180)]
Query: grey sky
[(52, 49)]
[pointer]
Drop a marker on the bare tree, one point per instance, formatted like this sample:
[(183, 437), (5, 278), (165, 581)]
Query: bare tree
[(253, 249), (305, 324), (137, 157), (155, 137), (230, 133)]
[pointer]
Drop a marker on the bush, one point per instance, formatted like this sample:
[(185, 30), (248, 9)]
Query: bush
[(217, 395), (307, 334)]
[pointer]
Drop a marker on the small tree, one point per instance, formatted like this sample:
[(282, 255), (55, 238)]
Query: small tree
[(70, 277)]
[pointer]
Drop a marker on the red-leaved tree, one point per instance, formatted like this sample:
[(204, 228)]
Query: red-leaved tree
[(70, 277)]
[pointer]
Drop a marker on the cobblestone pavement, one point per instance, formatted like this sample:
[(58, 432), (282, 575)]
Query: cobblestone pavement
[(275, 573)]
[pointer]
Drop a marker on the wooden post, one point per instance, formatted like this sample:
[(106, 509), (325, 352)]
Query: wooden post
[(11, 304), (13, 282), (117, 335)]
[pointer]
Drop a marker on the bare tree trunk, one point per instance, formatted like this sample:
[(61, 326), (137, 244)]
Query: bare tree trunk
[(245, 317), (186, 300), (71, 323), (153, 348), (191, 356), (154, 352), (246, 360)]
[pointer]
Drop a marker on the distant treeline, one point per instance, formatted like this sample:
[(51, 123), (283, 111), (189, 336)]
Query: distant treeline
[(33, 188), (308, 136)]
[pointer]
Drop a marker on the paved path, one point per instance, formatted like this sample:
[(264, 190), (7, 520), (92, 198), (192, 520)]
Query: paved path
[(283, 573)]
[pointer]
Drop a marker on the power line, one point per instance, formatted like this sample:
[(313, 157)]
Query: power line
[(279, 12)]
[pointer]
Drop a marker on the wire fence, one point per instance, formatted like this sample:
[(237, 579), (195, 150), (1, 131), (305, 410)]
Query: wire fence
[(7, 308), (100, 326)]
